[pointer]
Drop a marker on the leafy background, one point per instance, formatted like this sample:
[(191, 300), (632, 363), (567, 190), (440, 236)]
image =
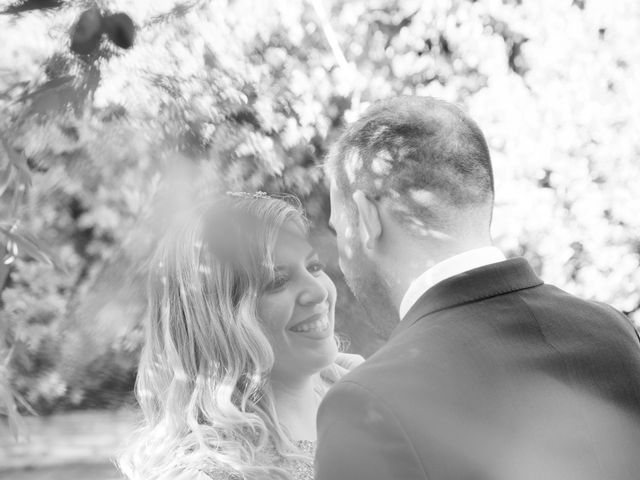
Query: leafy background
[(98, 151)]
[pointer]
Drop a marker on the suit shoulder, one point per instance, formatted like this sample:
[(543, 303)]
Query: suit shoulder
[(555, 300), (386, 370), (618, 317), (361, 437)]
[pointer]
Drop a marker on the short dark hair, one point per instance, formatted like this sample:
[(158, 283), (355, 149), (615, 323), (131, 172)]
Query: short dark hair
[(408, 147)]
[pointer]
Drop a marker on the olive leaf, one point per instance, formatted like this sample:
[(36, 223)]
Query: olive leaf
[(6, 173), (22, 242), (28, 5)]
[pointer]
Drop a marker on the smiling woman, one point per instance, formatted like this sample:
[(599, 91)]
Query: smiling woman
[(241, 322), (298, 308)]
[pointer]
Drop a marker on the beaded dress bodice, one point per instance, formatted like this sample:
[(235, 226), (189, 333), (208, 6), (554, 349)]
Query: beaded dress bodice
[(298, 469)]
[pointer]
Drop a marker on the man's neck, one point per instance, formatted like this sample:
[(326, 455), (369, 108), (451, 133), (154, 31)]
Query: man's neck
[(409, 266), (450, 267), (296, 403)]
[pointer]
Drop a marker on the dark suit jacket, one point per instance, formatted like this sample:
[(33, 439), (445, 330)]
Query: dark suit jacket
[(492, 375)]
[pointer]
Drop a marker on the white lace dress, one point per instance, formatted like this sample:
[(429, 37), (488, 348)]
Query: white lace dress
[(298, 469)]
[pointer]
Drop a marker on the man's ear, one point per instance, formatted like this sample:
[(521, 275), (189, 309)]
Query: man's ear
[(369, 225)]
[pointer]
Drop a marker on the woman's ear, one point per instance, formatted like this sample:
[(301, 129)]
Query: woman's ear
[(369, 224)]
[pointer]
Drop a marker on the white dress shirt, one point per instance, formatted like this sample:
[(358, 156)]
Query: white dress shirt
[(478, 257)]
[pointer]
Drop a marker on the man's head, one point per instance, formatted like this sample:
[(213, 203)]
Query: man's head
[(411, 169)]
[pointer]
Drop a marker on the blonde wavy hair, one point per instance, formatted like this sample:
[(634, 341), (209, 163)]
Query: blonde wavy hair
[(202, 380)]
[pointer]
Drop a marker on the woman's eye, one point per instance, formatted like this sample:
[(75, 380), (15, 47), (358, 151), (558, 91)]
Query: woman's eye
[(316, 267), (278, 283)]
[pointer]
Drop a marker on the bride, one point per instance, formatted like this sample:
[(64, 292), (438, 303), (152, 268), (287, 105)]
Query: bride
[(241, 325)]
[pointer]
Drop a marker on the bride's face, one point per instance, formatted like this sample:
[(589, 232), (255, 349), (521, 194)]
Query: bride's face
[(297, 309)]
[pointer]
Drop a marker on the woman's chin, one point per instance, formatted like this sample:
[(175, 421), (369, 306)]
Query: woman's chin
[(314, 363), (307, 356), (328, 356)]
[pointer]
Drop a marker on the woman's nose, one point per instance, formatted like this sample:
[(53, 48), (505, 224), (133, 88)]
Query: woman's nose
[(313, 291)]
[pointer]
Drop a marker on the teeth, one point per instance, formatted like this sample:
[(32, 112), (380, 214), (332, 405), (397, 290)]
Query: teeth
[(315, 326)]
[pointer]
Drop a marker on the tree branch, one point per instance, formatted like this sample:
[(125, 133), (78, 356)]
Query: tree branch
[(329, 33)]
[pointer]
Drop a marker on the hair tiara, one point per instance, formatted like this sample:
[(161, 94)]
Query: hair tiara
[(249, 194)]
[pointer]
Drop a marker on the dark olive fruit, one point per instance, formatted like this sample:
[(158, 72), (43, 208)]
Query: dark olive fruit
[(87, 32), (120, 29)]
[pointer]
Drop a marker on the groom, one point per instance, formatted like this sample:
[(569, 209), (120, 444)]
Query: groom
[(489, 373)]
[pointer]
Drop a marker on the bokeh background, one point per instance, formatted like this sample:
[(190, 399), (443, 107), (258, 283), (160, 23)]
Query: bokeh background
[(103, 138)]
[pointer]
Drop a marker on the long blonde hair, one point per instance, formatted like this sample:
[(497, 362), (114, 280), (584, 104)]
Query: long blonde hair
[(202, 377)]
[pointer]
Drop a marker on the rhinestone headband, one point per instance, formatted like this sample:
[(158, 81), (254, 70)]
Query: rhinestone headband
[(248, 194)]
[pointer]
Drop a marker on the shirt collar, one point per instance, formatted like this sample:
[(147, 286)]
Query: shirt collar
[(447, 268)]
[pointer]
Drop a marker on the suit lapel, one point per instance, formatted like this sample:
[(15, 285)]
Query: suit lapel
[(471, 286)]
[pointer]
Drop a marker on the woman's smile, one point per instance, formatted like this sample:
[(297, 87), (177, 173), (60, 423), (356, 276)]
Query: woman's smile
[(316, 326)]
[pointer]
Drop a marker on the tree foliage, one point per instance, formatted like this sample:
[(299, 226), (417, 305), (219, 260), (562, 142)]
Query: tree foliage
[(102, 148)]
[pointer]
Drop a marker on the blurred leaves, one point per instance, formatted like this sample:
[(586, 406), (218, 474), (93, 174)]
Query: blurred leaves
[(249, 95)]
